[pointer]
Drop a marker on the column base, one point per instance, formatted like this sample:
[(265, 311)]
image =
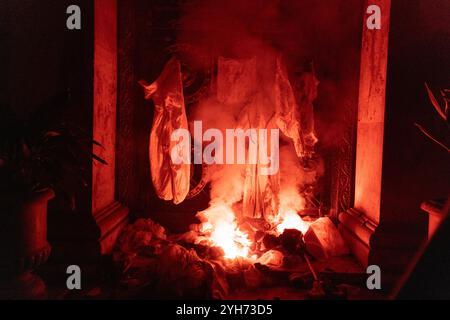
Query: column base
[(390, 246), (26, 286), (111, 221), (436, 214), (356, 229)]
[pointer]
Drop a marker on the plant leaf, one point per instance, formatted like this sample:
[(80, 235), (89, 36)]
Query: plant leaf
[(435, 103), (427, 134), (99, 159)]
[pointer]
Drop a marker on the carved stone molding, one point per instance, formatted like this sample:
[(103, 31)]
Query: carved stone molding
[(343, 164), (386, 246), (111, 221), (357, 231), (126, 101)]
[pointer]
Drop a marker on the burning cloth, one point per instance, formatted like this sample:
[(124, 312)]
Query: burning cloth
[(264, 94), (171, 181)]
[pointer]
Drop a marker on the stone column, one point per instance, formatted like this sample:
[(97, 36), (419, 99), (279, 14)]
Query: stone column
[(109, 214), (384, 226), (358, 224)]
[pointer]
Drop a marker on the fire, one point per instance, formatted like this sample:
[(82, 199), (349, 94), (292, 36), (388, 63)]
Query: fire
[(291, 220), (225, 233), (222, 229), (234, 242)]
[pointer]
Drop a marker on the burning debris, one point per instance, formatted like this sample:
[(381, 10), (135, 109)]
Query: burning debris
[(324, 240), (252, 231), (244, 200), (197, 266), (252, 234)]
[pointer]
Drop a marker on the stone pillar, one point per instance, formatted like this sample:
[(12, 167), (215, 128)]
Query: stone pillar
[(371, 109), (358, 224), (109, 214), (384, 226)]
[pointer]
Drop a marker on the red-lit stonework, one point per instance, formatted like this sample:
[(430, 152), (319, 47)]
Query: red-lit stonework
[(109, 214), (353, 169)]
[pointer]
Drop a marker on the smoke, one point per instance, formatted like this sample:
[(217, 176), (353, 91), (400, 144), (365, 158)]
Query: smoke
[(215, 114), (324, 32), (258, 31), (291, 179), (227, 181), (294, 178), (227, 184), (300, 29), (229, 28)]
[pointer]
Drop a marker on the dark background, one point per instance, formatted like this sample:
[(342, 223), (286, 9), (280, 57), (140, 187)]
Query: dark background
[(41, 58), (414, 168)]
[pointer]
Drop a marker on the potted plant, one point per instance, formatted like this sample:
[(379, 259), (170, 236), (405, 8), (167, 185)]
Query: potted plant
[(40, 157), (436, 208)]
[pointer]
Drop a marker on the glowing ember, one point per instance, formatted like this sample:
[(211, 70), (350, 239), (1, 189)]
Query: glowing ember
[(291, 220), (233, 242), (225, 232)]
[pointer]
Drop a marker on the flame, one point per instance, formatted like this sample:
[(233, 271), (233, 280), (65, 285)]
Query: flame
[(234, 242), (225, 232), (291, 220)]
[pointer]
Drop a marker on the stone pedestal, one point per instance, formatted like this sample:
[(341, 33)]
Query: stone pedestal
[(436, 214)]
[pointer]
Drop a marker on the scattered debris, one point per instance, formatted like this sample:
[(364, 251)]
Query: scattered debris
[(174, 266), (272, 257), (323, 240)]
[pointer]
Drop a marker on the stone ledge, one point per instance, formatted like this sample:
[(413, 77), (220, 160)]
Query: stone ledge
[(390, 248), (111, 221)]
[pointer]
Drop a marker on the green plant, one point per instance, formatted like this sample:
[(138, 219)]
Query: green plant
[(43, 151), (442, 111)]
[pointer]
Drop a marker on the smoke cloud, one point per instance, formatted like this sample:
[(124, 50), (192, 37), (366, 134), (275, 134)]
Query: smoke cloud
[(324, 32)]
